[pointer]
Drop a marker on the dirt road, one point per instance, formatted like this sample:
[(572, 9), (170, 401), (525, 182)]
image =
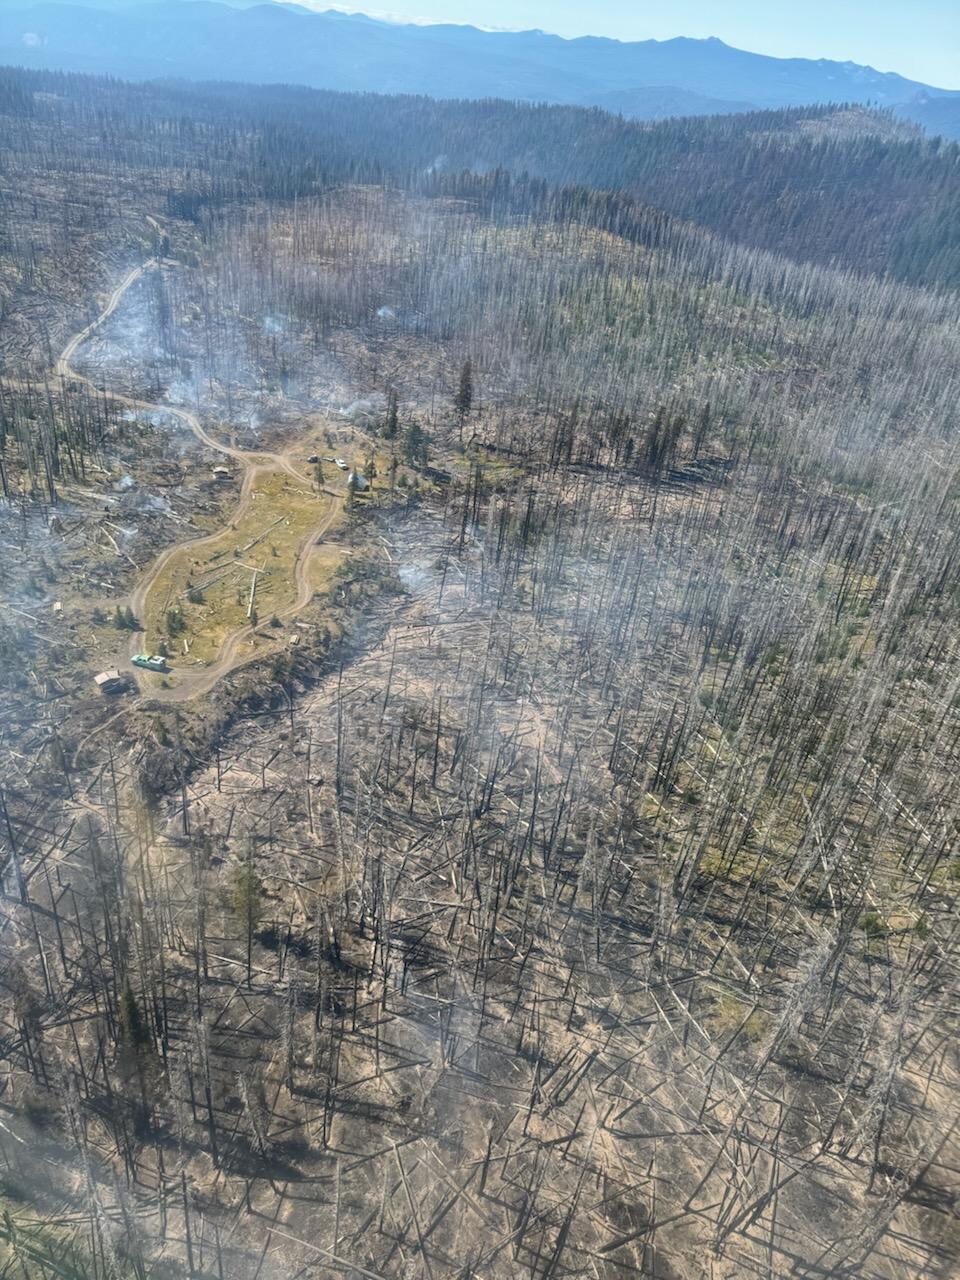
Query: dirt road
[(191, 684)]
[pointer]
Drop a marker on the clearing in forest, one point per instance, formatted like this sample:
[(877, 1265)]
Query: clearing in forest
[(261, 567)]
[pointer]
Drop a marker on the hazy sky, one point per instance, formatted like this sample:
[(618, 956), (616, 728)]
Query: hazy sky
[(918, 38)]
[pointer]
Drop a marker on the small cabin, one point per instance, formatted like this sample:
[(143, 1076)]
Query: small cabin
[(110, 682)]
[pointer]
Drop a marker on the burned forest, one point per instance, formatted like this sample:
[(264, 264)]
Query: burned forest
[(480, 693)]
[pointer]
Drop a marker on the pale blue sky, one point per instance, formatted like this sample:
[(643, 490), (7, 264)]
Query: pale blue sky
[(918, 38)]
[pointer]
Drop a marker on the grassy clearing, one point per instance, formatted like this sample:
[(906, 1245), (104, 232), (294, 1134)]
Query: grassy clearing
[(202, 595)]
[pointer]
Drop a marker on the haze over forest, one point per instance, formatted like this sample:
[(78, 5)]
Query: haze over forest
[(275, 42), (479, 683)]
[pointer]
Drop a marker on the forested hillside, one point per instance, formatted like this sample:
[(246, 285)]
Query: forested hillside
[(271, 43), (479, 690), (828, 185)]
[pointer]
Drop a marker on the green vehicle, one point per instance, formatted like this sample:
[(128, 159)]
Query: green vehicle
[(149, 661)]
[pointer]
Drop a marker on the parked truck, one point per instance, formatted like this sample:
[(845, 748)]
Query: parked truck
[(149, 661)]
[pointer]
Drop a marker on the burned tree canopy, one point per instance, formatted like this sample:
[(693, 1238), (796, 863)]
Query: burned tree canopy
[(520, 838)]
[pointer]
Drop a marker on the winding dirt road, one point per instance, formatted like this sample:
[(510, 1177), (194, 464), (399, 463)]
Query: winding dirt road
[(191, 684)]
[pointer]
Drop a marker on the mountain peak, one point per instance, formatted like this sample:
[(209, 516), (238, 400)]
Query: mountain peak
[(248, 40)]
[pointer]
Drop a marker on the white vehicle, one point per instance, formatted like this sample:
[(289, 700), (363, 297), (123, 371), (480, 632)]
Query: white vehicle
[(344, 466)]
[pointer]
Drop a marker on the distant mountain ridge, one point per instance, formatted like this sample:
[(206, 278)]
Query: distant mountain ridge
[(278, 43)]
